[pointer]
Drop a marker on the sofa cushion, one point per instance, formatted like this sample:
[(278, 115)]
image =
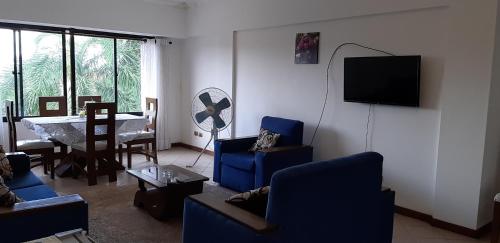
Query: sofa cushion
[(24, 180), (236, 179), (254, 201), (7, 197), (265, 140), (35, 193), (5, 169), (243, 160)]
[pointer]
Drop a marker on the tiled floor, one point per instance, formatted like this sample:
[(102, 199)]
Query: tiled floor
[(406, 230)]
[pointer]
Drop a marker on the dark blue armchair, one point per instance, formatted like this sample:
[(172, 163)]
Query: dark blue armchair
[(332, 201), (237, 168)]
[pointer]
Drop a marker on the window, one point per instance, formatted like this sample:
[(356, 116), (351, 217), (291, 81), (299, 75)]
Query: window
[(129, 75), (42, 68), (46, 61), (94, 67), (7, 82)]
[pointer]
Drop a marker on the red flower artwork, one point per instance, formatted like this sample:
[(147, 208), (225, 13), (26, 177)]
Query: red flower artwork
[(306, 48)]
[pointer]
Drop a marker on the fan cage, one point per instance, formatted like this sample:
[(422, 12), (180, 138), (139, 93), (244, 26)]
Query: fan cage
[(216, 95)]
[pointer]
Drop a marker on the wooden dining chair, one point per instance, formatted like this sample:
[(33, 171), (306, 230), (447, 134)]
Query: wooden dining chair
[(45, 103), (144, 138), (83, 100), (32, 146), (46, 110), (99, 146)]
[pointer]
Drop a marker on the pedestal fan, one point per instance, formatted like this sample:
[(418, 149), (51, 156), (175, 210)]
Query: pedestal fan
[(211, 112)]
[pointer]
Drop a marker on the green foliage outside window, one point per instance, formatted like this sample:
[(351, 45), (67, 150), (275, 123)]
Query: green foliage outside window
[(94, 67)]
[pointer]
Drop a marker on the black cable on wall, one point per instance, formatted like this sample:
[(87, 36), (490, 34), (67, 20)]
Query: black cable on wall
[(332, 57)]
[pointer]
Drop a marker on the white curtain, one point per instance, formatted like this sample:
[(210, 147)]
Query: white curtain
[(155, 82), (3, 136)]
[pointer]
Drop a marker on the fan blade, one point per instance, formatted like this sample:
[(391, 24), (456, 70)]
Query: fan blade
[(201, 116), (219, 123), (223, 104), (205, 98)]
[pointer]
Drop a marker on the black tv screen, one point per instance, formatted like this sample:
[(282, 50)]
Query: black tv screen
[(390, 80)]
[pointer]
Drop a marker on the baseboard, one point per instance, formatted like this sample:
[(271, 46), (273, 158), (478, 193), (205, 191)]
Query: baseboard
[(188, 146), (444, 225)]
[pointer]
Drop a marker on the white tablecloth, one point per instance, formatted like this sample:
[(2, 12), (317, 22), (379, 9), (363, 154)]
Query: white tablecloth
[(71, 130)]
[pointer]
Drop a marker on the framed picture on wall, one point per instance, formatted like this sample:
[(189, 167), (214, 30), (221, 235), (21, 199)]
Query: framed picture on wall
[(307, 48)]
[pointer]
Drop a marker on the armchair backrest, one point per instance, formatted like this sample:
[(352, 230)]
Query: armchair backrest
[(329, 201), (290, 131)]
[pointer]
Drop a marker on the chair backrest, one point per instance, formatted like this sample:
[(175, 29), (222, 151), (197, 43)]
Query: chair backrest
[(291, 131), (45, 104), (334, 199), (151, 113), (9, 114), (97, 124), (82, 100)]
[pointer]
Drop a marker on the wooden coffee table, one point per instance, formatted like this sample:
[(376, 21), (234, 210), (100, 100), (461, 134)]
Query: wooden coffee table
[(171, 184)]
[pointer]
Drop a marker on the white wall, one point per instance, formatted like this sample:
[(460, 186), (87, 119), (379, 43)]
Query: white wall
[(208, 60), (433, 155), (135, 16), (269, 83), (491, 169)]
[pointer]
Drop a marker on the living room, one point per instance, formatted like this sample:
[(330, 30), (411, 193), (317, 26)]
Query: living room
[(439, 158)]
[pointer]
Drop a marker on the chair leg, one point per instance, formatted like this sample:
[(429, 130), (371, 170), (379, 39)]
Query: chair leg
[(91, 172), (155, 152), (129, 156), (74, 173), (111, 169), (120, 154), (44, 163), (64, 150), (49, 159), (495, 225), (146, 147)]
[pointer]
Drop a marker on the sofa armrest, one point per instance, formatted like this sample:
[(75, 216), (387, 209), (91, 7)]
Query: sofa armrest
[(271, 160), (387, 217), (252, 221), (282, 149), (236, 144), (43, 217), (19, 161)]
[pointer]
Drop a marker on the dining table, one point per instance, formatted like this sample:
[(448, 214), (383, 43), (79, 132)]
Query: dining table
[(71, 130)]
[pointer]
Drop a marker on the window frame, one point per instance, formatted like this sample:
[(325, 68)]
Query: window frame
[(65, 33)]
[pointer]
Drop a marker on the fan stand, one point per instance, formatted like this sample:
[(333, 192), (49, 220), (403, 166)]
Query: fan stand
[(214, 136)]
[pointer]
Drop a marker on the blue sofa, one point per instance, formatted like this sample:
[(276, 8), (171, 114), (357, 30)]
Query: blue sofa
[(238, 169), (42, 213), (339, 200)]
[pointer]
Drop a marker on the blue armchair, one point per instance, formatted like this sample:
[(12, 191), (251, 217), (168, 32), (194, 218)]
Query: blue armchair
[(238, 169), (332, 201)]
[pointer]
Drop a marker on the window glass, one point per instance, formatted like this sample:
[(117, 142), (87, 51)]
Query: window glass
[(94, 67), (129, 75), (42, 68), (6, 68)]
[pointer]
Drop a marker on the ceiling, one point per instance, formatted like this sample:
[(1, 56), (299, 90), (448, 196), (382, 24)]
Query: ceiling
[(177, 3)]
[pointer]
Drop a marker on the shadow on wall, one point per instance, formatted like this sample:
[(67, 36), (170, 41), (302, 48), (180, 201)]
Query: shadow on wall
[(430, 90), (327, 144)]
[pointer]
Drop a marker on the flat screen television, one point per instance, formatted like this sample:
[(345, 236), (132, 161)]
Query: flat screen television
[(389, 80)]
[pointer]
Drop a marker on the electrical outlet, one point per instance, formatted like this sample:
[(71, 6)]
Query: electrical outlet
[(196, 133), (200, 134)]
